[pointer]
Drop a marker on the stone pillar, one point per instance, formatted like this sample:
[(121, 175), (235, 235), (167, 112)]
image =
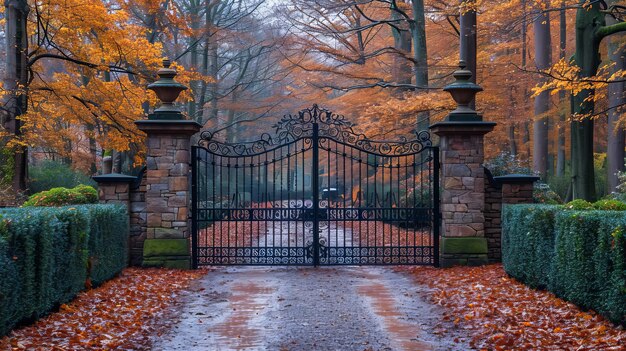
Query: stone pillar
[(509, 189), (517, 188), (167, 197), (167, 192), (463, 196), (463, 177), (114, 188)]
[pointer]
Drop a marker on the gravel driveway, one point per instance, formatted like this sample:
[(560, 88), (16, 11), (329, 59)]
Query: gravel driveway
[(290, 308)]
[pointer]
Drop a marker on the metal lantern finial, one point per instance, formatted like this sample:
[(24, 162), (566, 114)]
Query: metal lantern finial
[(463, 91), (167, 90)]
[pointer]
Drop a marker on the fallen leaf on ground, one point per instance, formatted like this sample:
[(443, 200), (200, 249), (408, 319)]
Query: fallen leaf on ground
[(122, 314), (506, 314)]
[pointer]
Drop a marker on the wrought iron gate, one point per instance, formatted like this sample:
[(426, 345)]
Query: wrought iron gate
[(315, 193)]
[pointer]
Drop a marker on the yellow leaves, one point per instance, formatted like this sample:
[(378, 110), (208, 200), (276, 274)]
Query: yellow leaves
[(565, 76)]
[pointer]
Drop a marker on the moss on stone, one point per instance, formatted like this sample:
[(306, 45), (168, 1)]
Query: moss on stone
[(165, 247), (464, 245)]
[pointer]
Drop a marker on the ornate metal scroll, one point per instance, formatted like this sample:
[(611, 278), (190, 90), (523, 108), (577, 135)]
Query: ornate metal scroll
[(298, 126)]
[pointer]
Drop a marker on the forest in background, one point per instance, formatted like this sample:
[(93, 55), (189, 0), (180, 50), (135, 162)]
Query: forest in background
[(75, 76)]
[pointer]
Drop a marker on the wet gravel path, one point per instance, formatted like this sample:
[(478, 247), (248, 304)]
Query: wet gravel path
[(288, 308)]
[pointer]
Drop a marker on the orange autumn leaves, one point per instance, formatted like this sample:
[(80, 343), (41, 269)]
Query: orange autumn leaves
[(502, 314), (122, 314)]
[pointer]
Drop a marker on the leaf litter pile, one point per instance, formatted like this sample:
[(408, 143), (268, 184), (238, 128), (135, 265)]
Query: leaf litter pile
[(502, 314), (122, 314)]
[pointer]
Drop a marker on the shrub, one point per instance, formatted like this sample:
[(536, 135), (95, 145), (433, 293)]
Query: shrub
[(507, 163), (81, 194), (50, 174), (542, 194), (578, 255), (579, 205), (89, 192), (44, 254), (588, 266), (609, 205), (108, 241), (528, 242)]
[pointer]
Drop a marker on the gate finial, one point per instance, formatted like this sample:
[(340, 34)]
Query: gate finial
[(167, 90)]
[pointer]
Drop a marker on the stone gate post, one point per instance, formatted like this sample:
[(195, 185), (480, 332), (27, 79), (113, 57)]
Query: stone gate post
[(463, 177), (167, 182)]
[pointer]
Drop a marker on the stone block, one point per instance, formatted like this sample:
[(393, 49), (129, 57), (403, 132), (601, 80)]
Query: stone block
[(457, 170), (165, 247), (178, 183), (122, 188), (179, 224), (452, 262), (460, 230), (154, 220), (168, 233), (177, 201), (181, 156), (478, 261), (137, 206), (453, 183), (465, 246), (179, 169), (182, 214)]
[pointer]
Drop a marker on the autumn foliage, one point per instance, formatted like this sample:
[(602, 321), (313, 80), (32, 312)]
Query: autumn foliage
[(502, 314), (122, 314)]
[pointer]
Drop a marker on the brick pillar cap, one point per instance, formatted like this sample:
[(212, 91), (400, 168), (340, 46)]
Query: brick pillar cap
[(516, 178), (467, 127), (114, 178)]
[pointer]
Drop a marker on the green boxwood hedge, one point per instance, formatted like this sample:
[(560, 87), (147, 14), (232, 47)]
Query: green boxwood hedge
[(578, 255), (47, 255), (528, 242)]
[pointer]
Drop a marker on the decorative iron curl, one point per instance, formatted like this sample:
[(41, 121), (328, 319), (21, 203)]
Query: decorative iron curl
[(331, 126)]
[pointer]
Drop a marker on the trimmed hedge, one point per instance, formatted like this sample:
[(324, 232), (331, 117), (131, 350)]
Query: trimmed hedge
[(528, 242), (44, 256), (578, 255)]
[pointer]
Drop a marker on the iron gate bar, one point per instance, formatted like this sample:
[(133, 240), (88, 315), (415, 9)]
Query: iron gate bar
[(255, 212)]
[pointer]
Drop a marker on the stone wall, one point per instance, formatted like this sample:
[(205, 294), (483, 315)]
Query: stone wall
[(511, 189), (138, 220), (493, 221), (167, 189)]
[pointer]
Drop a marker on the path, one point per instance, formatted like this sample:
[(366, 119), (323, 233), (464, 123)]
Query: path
[(290, 308)]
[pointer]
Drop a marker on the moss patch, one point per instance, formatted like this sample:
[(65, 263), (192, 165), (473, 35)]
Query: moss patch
[(465, 245), (165, 247)]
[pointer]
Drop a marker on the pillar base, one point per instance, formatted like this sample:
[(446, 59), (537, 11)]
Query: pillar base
[(463, 251), (167, 253)]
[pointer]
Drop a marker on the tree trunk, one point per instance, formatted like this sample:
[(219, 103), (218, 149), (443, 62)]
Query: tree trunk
[(513, 144), (468, 40), (401, 70), (587, 57), (420, 57), (194, 15), (543, 60), (560, 156), (615, 143), (16, 76)]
